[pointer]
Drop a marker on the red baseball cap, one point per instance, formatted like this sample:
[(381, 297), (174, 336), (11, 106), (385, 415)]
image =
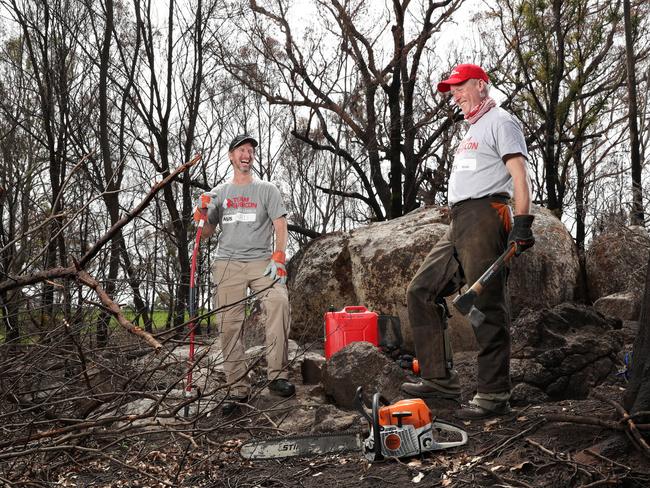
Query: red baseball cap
[(461, 73)]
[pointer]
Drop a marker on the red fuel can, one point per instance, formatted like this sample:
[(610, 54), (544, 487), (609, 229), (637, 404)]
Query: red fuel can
[(352, 324)]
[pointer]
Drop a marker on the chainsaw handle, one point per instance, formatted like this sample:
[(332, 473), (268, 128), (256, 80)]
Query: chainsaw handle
[(358, 402), (375, 426), (449, 427)]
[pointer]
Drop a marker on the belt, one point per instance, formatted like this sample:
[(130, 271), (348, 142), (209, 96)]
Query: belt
[(496, 197)]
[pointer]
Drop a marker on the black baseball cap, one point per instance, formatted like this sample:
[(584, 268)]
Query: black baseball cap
[(241, 139)]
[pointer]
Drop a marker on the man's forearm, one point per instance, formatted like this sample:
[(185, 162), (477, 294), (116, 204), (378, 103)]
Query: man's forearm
[(522, 197), (517, 168), (281, 234)]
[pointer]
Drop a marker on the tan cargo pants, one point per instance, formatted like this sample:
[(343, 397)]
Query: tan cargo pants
[(233, 279)]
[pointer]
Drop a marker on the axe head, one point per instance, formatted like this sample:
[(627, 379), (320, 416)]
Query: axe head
[(465, 305), (476, 317), (465, 302)]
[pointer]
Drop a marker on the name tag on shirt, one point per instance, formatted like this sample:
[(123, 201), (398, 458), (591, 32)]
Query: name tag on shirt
[(465, 165), (238, 217)]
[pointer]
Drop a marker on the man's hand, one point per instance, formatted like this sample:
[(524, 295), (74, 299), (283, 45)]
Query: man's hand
[(201, 211), (276, 269), (521, 234)]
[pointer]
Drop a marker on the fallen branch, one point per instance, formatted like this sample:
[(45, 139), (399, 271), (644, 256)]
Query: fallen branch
[(579, 419), (632, 430), (71, 271), (606, 459), (115, 309)]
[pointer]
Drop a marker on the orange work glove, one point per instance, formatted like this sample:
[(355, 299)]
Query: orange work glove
[(201, 211), (276, 269)]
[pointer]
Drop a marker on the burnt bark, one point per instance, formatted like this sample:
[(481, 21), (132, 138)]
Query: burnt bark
[(637, 394)]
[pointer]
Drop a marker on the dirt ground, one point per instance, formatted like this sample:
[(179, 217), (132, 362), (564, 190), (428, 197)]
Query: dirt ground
[(523, 449)]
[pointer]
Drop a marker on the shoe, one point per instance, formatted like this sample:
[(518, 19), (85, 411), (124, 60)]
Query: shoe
[(232, 404), (447, 389), (476, 412), (282, 387)]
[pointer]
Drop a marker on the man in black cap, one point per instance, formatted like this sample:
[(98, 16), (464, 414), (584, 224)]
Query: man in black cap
[(249, 212)]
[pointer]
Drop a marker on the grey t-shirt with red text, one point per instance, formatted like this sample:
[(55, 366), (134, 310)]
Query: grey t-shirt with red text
[(245, 214), (478, 169)]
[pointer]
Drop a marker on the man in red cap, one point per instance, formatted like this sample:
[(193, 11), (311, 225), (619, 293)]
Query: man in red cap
[(489, 169), (250, 213)]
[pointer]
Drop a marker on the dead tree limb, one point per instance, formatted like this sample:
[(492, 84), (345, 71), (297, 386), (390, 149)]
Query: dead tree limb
[(580, 419), (84, 278), (71, 271)]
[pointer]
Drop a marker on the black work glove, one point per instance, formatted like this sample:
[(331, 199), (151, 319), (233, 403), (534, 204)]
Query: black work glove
[(521, 234)]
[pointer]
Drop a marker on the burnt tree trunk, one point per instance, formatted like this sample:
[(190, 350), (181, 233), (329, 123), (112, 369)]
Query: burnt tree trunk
[(637, 395), (636, 215)]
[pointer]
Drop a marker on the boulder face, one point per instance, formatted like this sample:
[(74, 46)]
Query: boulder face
[(319, 277), (625, 305), (562, 352), (373, 266), (546, 274), (616, 262)]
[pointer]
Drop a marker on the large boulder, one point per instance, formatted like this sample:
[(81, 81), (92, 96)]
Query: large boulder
[(373, 265), (562, 352), (616, 262), (624, 305), (547, 274)]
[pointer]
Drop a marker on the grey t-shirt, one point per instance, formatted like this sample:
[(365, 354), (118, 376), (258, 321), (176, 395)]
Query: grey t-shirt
[(245, 214), (478, 169)]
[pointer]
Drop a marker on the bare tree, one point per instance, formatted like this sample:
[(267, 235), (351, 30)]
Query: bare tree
[(362, 73), (633, 122), (552, 64)]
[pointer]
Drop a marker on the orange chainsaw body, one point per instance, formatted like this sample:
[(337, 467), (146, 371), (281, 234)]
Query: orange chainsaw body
[(420, 413)]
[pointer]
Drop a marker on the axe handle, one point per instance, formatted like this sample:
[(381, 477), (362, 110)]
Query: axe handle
[(495, 268), (465, 302)]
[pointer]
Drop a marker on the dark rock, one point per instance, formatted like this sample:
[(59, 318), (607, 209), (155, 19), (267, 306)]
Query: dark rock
[(328, 418), (564, 351), (630, 331), (361, 364), (311, 369), (526, 394)]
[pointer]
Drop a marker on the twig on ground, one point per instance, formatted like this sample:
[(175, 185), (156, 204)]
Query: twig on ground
[(607, 481), (542, 448), (505, 482), (513, 438), (600, 456)]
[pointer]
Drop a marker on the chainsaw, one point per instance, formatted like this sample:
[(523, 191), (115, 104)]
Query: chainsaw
[(403, 429)]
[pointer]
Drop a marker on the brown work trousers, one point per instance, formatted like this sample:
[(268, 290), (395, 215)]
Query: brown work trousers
[(476, 237), (233, 279)]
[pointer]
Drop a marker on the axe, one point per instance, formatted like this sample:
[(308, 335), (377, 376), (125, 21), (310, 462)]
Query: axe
[(465, 303)]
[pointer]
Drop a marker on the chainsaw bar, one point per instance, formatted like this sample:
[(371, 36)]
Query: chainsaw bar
[(302, 446)]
